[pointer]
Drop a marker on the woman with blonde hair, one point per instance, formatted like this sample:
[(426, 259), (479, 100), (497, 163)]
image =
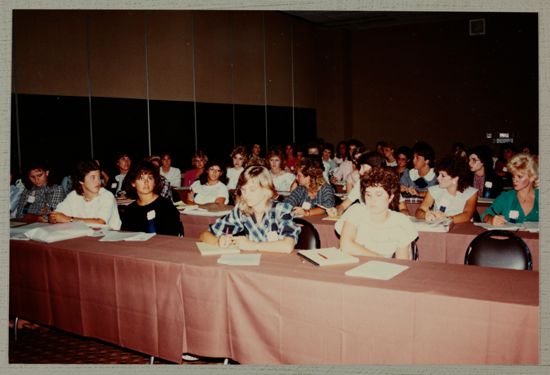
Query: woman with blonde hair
[(313, 194), (522, 203), (266, 223)]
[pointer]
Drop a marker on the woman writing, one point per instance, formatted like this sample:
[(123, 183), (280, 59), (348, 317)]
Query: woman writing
[(484, 179), (150, 213), (267, 223), (522, 203), (313, 194), (371, 228), (452, 198), (210, 188)]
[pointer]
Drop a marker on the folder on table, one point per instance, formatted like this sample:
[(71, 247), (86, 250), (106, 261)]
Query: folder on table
[(330, 256)]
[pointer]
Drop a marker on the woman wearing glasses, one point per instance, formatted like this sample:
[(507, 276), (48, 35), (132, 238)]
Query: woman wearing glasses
[(238, 156), (210, 188), (267, 224)]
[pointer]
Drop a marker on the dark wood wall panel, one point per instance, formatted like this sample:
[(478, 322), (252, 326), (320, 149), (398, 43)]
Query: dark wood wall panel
[(250, 125), (170, 55), (117, 54), (278, 59), (248, 58), (50, 52), (279, 126), (213, 74), (215, 129)]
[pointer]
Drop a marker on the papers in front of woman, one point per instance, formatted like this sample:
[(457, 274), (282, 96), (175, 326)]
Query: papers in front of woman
[(112, 236), (49, 233), (330, 256), (207, 249), (528, 226), (439, 225), (375, 269), (240, 259)]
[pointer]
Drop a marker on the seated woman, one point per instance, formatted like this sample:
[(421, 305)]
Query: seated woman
[(239, 158), (453, 198), (484, 179), (522, 203), (39, 196), (88, 202), (417, 180), (371, 228), (198, 161), (150, 213), (282, 180), (290, 159), (312, 190), (404, 155), (210, 188), (172, 174), (267, 223)]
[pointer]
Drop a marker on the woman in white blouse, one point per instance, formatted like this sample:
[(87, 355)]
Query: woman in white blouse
[(453, 197), (239, 159), (282, 180), (210, 188), (172, 174)]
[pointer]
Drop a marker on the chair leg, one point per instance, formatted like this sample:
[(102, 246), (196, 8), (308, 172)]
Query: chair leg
[(152, 360), (16, 322)]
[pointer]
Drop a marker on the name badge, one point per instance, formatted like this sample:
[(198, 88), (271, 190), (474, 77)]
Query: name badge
[(272, 236), (513, 216), (114, 185), (31, 199), (151, 215), (306, 206)]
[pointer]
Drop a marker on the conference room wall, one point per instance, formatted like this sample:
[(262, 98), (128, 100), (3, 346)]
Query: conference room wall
[(435, 82), (121, 61)]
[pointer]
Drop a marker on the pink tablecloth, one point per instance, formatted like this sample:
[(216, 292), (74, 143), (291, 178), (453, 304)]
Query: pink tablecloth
[(162, 298), (433, 246)]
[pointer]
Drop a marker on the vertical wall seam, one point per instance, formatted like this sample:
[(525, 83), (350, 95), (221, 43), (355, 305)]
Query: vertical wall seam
[(232, 54), (88, 73), (146, 41), (194, 83), (292, 80), (265, 82)]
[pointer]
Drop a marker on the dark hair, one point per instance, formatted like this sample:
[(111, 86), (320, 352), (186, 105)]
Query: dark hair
[(203, 178), (275, 153), (143, 168), (372, 158), (35, 164), (425, 150), (121, 154), (485, 155), (328, 146), (82, 169), (165, 153), (455, 166), (385, 178), (405, 151)]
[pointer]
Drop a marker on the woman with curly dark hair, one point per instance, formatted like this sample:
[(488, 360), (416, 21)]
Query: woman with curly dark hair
[(211, 186), (371, 228), (313, 194), (453, 198)]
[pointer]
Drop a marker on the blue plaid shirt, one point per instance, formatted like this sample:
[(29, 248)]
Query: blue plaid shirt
[(277, 219), (46, 198), (324, 197)]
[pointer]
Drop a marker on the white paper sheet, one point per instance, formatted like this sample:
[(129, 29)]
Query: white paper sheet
[(113, 236), (59, 232), (207, 249), (375, 269), (442, 225), (529, 226), (240, 259)]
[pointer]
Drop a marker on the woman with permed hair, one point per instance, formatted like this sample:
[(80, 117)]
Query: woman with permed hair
[(371, 228), (258, 221), (313, 194), (453, 197), (522, 203), (210, 187), (239, 160)]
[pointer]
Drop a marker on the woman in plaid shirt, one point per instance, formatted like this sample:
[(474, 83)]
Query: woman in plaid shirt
[(258, 222)]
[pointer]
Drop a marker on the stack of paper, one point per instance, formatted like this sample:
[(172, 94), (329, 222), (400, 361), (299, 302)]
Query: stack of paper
[(529, 226), (328, 257), (375, 269), (442, 225), (240, 259), (59, 232), (112, 236), (207, 249)]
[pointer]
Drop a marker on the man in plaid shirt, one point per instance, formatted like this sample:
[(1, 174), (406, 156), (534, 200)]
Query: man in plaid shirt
[(39, 198)]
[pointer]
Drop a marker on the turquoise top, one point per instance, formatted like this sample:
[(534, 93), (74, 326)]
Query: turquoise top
[(508, 201)]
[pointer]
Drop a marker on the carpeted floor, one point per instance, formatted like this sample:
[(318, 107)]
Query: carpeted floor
[(39, 345)]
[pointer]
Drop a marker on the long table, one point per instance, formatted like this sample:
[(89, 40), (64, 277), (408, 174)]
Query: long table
[(162, 298), (434, 247)]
